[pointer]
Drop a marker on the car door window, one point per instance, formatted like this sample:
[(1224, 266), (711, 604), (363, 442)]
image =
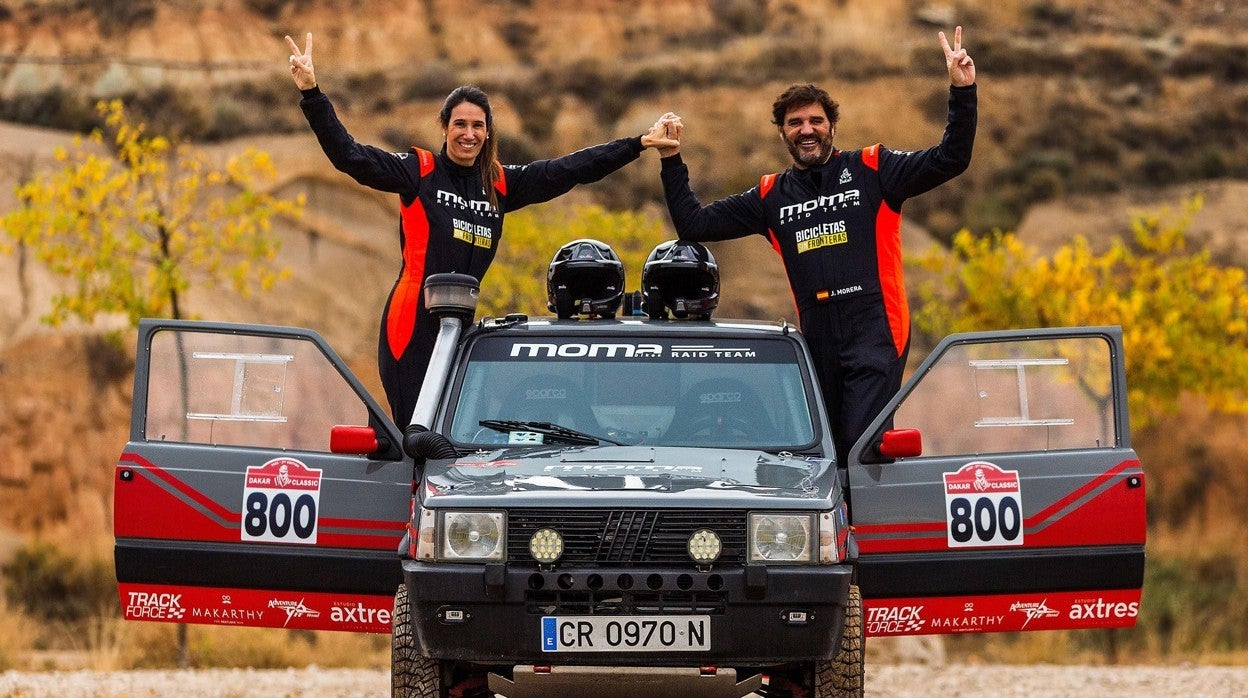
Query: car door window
[(998, 397), (246, 390)]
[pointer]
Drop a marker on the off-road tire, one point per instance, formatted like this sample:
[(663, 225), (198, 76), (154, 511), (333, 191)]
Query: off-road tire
[(843, 675), (411, 675)]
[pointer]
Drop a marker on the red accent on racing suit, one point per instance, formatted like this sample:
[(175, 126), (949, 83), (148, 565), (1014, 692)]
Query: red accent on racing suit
[(837, 227), (446, 224)]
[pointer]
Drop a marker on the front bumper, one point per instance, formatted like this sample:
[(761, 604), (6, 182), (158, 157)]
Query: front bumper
[(624, 682), (759, 615)]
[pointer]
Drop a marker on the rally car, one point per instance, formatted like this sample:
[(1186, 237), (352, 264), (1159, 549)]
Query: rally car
[(626, 498)]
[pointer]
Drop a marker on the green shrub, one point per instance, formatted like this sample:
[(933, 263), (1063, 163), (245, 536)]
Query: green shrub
[(431, 81), (1195, 604), (741, 17), (519, 33), (1118, 64), (1227, 62), (47, 583), (120, 17), (269, 9), (1005, 56), (1050, 14), (56, 108)]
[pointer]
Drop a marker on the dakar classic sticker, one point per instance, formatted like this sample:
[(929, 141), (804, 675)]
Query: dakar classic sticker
[(281, 500), (983, 506)]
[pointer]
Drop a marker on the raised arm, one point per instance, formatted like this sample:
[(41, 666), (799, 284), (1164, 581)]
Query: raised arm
[(544, 180), (961, 67), (731, 217), (366, 164), (301, 63), (908, 174)]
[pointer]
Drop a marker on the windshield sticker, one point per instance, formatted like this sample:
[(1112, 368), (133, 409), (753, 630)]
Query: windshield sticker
[(281, 502), (581, 350), (752, 350), (983, 506), (708, 351)]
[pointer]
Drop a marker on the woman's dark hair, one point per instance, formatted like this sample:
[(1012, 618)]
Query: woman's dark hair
[(491, 169), (798, 96)]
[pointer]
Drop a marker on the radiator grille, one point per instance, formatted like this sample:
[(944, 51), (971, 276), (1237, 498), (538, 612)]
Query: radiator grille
[(639, 536)]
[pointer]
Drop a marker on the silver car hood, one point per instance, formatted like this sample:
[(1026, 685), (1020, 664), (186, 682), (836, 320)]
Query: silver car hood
[(639, 475)]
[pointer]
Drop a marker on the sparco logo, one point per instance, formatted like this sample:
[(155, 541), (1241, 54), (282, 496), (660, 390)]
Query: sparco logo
[(546, 394), (142, 605), (718, 398), (833, 201), (577, 350)]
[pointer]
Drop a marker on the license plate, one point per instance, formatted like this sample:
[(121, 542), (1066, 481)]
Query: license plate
[(626, 633)]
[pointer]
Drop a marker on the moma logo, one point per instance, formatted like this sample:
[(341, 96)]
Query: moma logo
[(576, 350)]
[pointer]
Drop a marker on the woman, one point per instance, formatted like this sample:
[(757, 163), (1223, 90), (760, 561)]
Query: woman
[(451, 206)]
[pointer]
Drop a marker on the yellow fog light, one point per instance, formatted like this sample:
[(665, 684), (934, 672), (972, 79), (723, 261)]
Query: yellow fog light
[(704, 546), (546, 545)]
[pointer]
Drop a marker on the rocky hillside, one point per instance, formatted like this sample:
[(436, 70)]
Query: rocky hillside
[(1089, 109)]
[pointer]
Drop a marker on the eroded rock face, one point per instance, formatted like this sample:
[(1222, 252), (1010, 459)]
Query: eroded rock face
[(62, 426), (64, 408)]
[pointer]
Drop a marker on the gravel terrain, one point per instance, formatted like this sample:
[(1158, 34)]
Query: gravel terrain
[(895, 681)]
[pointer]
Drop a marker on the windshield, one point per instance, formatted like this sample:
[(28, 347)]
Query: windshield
[(729, 392)]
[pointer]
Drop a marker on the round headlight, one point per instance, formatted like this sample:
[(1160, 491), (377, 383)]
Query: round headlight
[(546, 545), (471, 535), (705, 546), (781, 538)]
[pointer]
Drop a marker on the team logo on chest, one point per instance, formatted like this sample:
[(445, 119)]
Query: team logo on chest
[(820, 204), (467, 231)]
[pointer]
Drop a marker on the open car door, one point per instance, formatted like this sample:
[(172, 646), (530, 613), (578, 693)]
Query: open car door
[(229, 505), (1023, 509)]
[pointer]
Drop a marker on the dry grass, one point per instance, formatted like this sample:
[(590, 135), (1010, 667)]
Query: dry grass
[(154, 645), (15, 634), (112, 644)]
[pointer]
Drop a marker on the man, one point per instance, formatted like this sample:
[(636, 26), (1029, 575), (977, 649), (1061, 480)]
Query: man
[(835, 219)]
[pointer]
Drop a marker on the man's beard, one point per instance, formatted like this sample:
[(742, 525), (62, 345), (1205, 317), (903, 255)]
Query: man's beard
[(814, 159)]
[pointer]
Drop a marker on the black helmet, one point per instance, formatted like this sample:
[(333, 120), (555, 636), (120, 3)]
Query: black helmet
[(586, 277), (680, 276)]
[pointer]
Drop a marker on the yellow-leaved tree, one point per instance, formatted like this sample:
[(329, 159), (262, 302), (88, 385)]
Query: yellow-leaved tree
[(517, 280), (1184, 318), (134, 221)]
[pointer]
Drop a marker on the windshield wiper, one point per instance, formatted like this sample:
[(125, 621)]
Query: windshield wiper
[(554, 431)]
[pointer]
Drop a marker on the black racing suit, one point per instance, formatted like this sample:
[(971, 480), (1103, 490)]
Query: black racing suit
[(446, 224), (838, 229)]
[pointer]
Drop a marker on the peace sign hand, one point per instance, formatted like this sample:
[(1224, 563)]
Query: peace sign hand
[(301, 63), (961, 67)]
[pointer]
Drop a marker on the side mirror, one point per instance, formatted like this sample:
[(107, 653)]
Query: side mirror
[(353, 439), (900, 443)]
